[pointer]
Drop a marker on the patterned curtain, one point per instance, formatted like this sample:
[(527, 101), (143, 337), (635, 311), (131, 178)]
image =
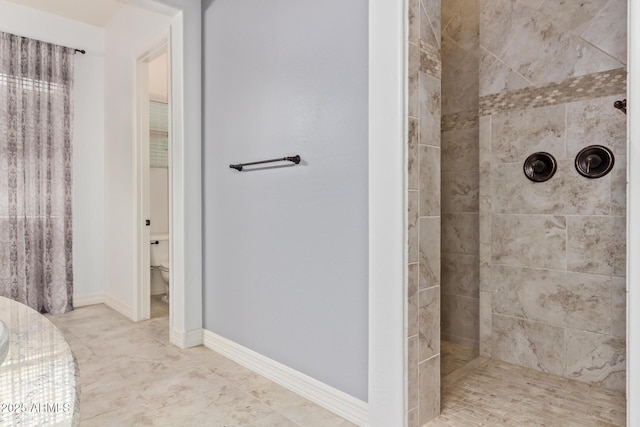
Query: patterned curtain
[(36, 122)]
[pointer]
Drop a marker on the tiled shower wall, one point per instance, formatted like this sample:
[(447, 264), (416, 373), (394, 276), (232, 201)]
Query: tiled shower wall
[(423, 287), (552, 254), (460, 240)]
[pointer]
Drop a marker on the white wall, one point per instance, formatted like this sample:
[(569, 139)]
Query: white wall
[(159, 78), (88, 141), (285, 250), (129, 34)]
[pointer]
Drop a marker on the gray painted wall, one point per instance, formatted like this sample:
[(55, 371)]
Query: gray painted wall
[(286, 249)]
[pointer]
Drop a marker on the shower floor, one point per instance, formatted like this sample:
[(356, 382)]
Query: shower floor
[(488, 392), (454, 356)]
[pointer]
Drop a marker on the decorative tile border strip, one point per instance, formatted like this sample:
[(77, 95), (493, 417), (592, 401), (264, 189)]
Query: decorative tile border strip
[(430, 62), (591, 86), (462, 120)]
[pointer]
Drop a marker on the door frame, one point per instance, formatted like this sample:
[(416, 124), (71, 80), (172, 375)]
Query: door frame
[(142, 294)]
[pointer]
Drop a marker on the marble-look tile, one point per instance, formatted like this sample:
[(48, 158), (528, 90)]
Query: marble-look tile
[(429, 252), (413, 418), (460, 233), (566, 193), (274, 420), (496, 20), (413, 165), (485, 317), (429, 322), (571, 15), (449, 9), (460, 150), (413, 300), (413, 97), (452, 56), (274, 396), (129, 415), (433, 10), (429, 389), (558, 298), (430, 109), (460, 191), (619, 307), (595, 121), (537, 241), (460, 316), (485, 267), (460, 275), (580, 59), (428, 34), (596, 359), (608, 30), (412, 226), (529, 344), (414, 21), (312, 415), (485, 220), (495, 76), (463, 26), (430, 185), (619, 186), (596, 244), (413, 376), (517, 134)]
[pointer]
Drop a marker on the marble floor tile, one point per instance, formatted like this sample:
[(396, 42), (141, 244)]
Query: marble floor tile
[(131, 375)]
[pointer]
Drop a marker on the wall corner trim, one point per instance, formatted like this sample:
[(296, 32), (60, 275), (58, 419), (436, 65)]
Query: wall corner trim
[(186, 339), (318, 392)]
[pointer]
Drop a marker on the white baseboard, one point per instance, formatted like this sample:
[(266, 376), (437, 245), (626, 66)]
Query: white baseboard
[(186, 339), (118, 306), (318, 392), (91, 299)]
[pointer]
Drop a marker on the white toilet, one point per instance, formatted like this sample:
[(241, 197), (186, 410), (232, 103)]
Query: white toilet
[(160, 259)]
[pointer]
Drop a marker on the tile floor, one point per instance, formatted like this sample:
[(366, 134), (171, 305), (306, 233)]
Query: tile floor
[(454, 356), (130, 375), (488, 392)]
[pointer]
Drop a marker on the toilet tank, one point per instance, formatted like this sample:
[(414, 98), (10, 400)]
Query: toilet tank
[(159, 249)]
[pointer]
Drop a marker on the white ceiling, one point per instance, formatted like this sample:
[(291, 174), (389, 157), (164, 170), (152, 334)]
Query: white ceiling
[(94, 12)]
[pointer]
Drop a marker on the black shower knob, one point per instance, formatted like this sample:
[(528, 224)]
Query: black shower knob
[(594, 161), (540, 167)]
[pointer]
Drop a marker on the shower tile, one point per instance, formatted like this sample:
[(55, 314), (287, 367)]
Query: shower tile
[(495, 76), (485, 267), (452, 55), (413, 374), (460, 191), (413, 418), (463, 119), (619, 187), (433, 11), (596, 359), (460, 316), (427, 32), (485, 220), (429, 252), (413, 139), (596, 244), (496, 20), (558, 298), (413, 236), (449, 9), (566, 193), (485, 317), (413, 108), (429, 98), (571, 15), (529, 344), (460, 233), (537, 241), (608, 30), (463, 26), (429, 389), (460, 275), (596, 121), (619, 303), (414, 21), (515, 135), (460, 150), (429, 322), (413, 300), (430, 181)]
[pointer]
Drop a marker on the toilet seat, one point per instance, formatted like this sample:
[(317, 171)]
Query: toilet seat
[(164, 266)]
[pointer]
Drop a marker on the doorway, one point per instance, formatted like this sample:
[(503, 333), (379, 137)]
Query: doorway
[(153, 195)]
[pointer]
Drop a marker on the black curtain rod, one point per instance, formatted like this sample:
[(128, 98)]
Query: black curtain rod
[(82, 51)]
